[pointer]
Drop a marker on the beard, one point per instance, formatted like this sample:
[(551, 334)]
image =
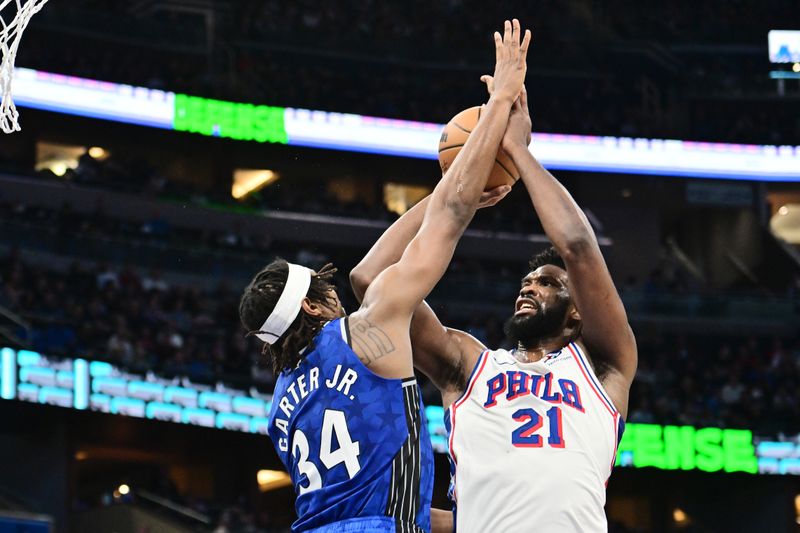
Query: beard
[(529, 329)]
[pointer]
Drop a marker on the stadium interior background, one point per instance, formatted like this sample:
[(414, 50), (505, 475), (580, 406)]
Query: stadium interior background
[(123, 243)]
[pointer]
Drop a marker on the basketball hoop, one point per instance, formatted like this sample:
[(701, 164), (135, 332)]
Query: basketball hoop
[(10, 35)]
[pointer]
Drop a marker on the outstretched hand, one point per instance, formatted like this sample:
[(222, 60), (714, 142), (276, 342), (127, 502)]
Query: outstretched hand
[(492, 196), (518, 130), (510, 61)]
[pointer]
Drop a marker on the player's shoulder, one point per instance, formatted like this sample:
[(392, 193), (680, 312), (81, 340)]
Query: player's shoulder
[(383, 349), (499, 356), (483, 358), (472, 366)]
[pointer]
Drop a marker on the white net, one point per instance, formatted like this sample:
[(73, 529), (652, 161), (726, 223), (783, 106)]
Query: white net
[(14, 18)]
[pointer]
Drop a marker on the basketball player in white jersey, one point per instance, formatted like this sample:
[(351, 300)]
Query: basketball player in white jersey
[(533, 432)]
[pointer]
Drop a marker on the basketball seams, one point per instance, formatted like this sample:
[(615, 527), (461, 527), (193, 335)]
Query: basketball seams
[(446, 148), (457, 135), (462, 128), (510, 175)]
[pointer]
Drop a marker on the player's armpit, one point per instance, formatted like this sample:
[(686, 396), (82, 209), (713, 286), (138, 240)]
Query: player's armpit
[(443, 354), (617, 385), (604, 324)]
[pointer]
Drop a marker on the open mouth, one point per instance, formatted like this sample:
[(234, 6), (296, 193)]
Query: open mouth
[(527, 306)]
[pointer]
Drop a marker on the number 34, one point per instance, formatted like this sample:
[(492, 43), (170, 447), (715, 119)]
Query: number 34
[(333, 422)]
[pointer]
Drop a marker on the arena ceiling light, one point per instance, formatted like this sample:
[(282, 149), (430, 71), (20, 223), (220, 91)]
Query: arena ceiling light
[(272, 479), (679, 516), (247, 181), (400, 197), (785, 223), (96, 152), (58, 158)]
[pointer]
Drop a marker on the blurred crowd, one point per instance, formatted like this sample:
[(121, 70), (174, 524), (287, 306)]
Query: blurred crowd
[(735, 382), (139, 320), (610, 69), (144, 322), (124, 172)]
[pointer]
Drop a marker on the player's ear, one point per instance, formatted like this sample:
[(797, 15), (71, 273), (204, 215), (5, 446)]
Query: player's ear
[(573, 318), (572, 323), (311, 308)]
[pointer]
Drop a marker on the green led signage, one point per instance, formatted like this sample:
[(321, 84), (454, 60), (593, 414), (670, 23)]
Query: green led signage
[(687, 448), (243, 122), (99, 386)]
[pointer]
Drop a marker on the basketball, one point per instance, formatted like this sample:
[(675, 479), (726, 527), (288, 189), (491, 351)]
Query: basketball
[(454, 136)]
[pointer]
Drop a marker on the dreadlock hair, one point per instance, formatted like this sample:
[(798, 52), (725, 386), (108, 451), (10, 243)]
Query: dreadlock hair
[(550, 256), (259, 300)]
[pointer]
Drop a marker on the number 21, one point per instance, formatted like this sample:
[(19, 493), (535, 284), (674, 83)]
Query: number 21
[(525, 435)]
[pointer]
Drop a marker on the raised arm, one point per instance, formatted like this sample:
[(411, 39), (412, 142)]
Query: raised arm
[(390, 246), (396, 292), (438, 351), (605, 329)]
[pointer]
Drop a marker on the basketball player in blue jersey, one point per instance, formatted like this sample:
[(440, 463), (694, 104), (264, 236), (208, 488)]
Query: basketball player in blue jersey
[(346, 417), (533, 432)]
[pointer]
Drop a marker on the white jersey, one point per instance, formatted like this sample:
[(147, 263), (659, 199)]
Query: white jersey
[(532, 445)]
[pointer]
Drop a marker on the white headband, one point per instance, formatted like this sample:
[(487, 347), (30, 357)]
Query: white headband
[(288, 305)]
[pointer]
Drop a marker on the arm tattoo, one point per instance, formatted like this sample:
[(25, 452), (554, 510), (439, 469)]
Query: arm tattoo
[(370, 342)]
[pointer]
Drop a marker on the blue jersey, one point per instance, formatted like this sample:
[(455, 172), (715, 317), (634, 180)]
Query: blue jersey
[(356, 445)]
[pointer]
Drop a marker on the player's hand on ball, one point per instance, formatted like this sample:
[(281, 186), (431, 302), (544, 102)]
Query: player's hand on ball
[(518, 130), (492, 196), (510, 61)]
